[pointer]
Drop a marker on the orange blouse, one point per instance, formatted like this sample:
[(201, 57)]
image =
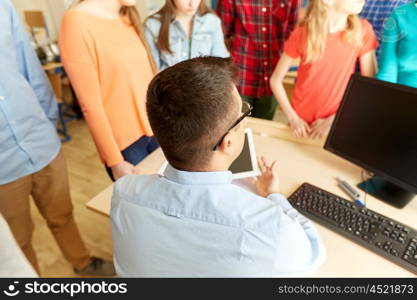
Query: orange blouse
[(110, 70)]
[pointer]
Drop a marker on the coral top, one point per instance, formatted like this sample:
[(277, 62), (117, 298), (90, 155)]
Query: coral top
[(110, 70), (321, 84)]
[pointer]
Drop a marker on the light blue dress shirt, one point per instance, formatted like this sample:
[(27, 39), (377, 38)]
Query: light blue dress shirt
[(199, 224), (28, 110), (206, 40)]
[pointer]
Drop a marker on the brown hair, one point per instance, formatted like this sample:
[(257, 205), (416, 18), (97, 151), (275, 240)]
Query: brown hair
[(166, 15), (190, 106), (132, 15)]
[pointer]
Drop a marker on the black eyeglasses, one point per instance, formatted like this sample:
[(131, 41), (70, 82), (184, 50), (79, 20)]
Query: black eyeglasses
[(247, 110)]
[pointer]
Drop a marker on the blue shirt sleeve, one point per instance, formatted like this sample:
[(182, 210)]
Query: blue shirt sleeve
[(151, 39), (31, 69), (307, 251), (219, 48)]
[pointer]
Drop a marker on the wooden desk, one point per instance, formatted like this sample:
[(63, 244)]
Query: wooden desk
[(304, 160)]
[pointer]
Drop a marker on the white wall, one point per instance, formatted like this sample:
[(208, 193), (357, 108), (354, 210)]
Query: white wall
[(52, 10)]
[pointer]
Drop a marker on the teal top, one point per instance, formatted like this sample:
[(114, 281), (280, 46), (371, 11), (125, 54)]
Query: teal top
[(398, 60)]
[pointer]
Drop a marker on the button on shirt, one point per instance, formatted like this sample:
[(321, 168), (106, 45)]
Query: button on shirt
[(199, 224), (28, 110), (206, 40)]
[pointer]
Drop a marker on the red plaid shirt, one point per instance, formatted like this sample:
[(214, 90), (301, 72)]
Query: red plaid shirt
[(258, 29)]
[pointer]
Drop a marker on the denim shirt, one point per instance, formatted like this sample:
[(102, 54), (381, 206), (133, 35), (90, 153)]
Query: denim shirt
[(200, 224), (28, 109), (206, 40)]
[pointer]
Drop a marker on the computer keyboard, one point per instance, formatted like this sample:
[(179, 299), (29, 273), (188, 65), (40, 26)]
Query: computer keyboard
[(387, 237)]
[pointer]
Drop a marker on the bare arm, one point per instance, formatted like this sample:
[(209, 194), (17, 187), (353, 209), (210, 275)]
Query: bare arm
[(368, 64), (300, 127)]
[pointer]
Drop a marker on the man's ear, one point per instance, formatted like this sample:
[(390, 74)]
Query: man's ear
[(227, 145)]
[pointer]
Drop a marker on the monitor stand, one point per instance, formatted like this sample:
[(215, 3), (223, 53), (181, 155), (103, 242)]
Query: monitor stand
[(386, 191)]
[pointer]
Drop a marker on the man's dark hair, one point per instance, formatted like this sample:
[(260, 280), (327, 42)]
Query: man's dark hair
[(190, 106)]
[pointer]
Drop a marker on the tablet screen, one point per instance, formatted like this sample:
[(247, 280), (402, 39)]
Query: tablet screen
[(243, 163)]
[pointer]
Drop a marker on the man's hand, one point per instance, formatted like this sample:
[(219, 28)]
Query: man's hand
[(267, 183), (321, 127), (122, 169), (299, 127)]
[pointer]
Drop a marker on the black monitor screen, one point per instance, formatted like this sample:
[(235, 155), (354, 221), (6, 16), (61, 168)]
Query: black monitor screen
[(376, 128)]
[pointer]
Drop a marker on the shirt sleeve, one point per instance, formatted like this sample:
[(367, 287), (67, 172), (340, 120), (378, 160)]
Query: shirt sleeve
[(151, 38), (77, 55), (219, 48), (388, 60), (31, 69), (292, 46), (307, 252), (225, 10), (370, 42)]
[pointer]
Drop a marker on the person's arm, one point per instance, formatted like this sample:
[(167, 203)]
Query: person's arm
[(31, 69), (388, 60), (218, 46), (321, 127), (151, 40), (305, 251), (80, 65), (299, 127), (367, 58), (368, 64)]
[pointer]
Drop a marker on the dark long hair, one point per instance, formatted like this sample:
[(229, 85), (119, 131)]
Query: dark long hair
[(166, 15)]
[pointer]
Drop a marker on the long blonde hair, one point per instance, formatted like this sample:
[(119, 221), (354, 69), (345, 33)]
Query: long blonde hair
[(316, 22)]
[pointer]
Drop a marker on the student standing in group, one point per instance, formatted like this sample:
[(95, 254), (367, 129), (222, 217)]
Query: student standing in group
[(398, 59), (105, 55), (377, 11), (192, 221), (183, 29), (328, 41), (256, 31), (32, 164)]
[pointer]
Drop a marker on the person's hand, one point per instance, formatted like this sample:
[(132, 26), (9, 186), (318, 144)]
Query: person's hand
[(299, 127), (267, 183), (122, 169), (321, 127)]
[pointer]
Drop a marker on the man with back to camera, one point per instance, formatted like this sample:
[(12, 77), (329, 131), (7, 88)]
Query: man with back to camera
[(192, 221)]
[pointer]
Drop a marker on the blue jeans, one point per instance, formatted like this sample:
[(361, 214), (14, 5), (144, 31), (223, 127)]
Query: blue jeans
[(136, 152)]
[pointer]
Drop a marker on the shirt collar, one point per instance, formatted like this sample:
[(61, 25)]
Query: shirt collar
[(197, 178)]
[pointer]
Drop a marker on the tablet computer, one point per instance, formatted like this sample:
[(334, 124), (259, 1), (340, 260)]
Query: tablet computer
[(245, 165)]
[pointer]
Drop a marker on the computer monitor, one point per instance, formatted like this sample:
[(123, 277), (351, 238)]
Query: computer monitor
[(376, 129)]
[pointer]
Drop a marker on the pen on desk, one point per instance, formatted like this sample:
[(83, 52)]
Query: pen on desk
[(348, 189)]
